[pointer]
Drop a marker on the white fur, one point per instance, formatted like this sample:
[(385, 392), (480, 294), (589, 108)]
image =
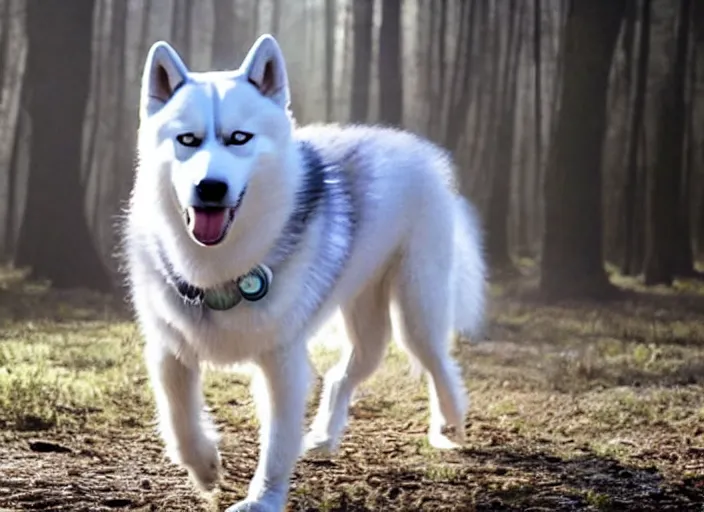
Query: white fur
[(415, 243)]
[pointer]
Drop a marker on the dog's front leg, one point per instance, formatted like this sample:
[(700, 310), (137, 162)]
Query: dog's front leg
[(280, 391), (189, 438)]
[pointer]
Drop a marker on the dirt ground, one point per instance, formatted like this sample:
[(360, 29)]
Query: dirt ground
[(574, 407)]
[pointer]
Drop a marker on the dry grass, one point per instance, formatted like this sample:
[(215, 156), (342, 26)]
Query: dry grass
[(574, 407)]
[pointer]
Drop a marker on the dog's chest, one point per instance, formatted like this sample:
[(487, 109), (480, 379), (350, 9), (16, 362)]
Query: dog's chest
[(230, 336)]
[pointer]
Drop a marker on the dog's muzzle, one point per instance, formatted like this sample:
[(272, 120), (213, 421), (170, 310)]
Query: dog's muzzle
[(210, 219)]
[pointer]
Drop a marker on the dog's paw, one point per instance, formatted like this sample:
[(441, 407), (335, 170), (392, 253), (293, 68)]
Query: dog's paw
[(316, 443), (446, 438), (202, 460), (251, 506)]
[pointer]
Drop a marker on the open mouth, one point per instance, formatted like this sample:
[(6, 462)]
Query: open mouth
[(209, 225)]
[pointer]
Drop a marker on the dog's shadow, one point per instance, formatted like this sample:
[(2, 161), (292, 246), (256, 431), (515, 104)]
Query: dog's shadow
[(503, 478)]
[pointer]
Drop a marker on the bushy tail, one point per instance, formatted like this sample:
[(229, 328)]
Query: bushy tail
[(470, 273)]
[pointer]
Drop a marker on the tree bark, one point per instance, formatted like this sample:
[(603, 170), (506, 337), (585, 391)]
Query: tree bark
[(572, 260), (122, 160), (222, 56), (181, 28), (538, 171), (17, 167), (460, 93), (54, 238), (666, 177), (390, 79), (254, 22), (437, 75), (4, 40), (329, 59), (632, 258), (499, 196), (684, 266), (276, 18), (363, 18), (462, 45)]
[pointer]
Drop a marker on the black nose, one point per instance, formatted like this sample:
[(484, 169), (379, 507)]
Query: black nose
[(211, 191)]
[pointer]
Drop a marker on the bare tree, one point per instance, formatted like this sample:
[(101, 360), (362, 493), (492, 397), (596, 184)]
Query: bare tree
[(664, 207), (254, 22), (18, 160), (276, 18), (329, 59), (479, 85), (4, 40), (460, 90), (224, 27), (538, 120), (572, 261), (181, 28), (502, 148), (390, 79), (121, 160), (54, 239), (633, 231), (363, 20), (684, 265), (538, 89), (436, 63)]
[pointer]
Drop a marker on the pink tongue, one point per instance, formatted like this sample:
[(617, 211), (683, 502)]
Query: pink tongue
[(209, 224)]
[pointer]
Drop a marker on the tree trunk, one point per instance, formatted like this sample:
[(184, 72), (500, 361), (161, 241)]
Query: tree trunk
[(499, 195), (436, 73), (460, 93), (254, 22), (666, 177), (181, 28), (17, 167), (143, 42), (487, 118), (122, 160), (345, 74), (429, 67), (538, 173), (102, 78), (54, 238), (5, 20), (632, 259), (363, 16), (685, 242), (276, 18), (390, 79), (524, 170), (329, 59), (462, 45), (572, 261), (222, 56)]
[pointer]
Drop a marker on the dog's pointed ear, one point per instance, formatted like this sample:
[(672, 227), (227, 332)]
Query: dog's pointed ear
[(265, 68), (164, 72)]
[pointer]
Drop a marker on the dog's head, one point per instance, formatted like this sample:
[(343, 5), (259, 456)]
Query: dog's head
[(210, 140)]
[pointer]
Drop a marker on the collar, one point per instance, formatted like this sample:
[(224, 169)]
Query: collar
[(252, 286)]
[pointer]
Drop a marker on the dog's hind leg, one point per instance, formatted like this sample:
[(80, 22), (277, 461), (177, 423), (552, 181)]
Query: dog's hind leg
[(369, 331), (423, 291)]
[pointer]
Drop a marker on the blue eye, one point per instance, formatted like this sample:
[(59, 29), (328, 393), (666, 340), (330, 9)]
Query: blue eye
[(239, 138), (189, 140)]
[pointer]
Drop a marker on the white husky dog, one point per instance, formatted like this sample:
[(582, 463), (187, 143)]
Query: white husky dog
[(244, 234)]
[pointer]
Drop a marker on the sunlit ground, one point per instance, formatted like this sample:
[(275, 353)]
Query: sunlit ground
[(580, 406)]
